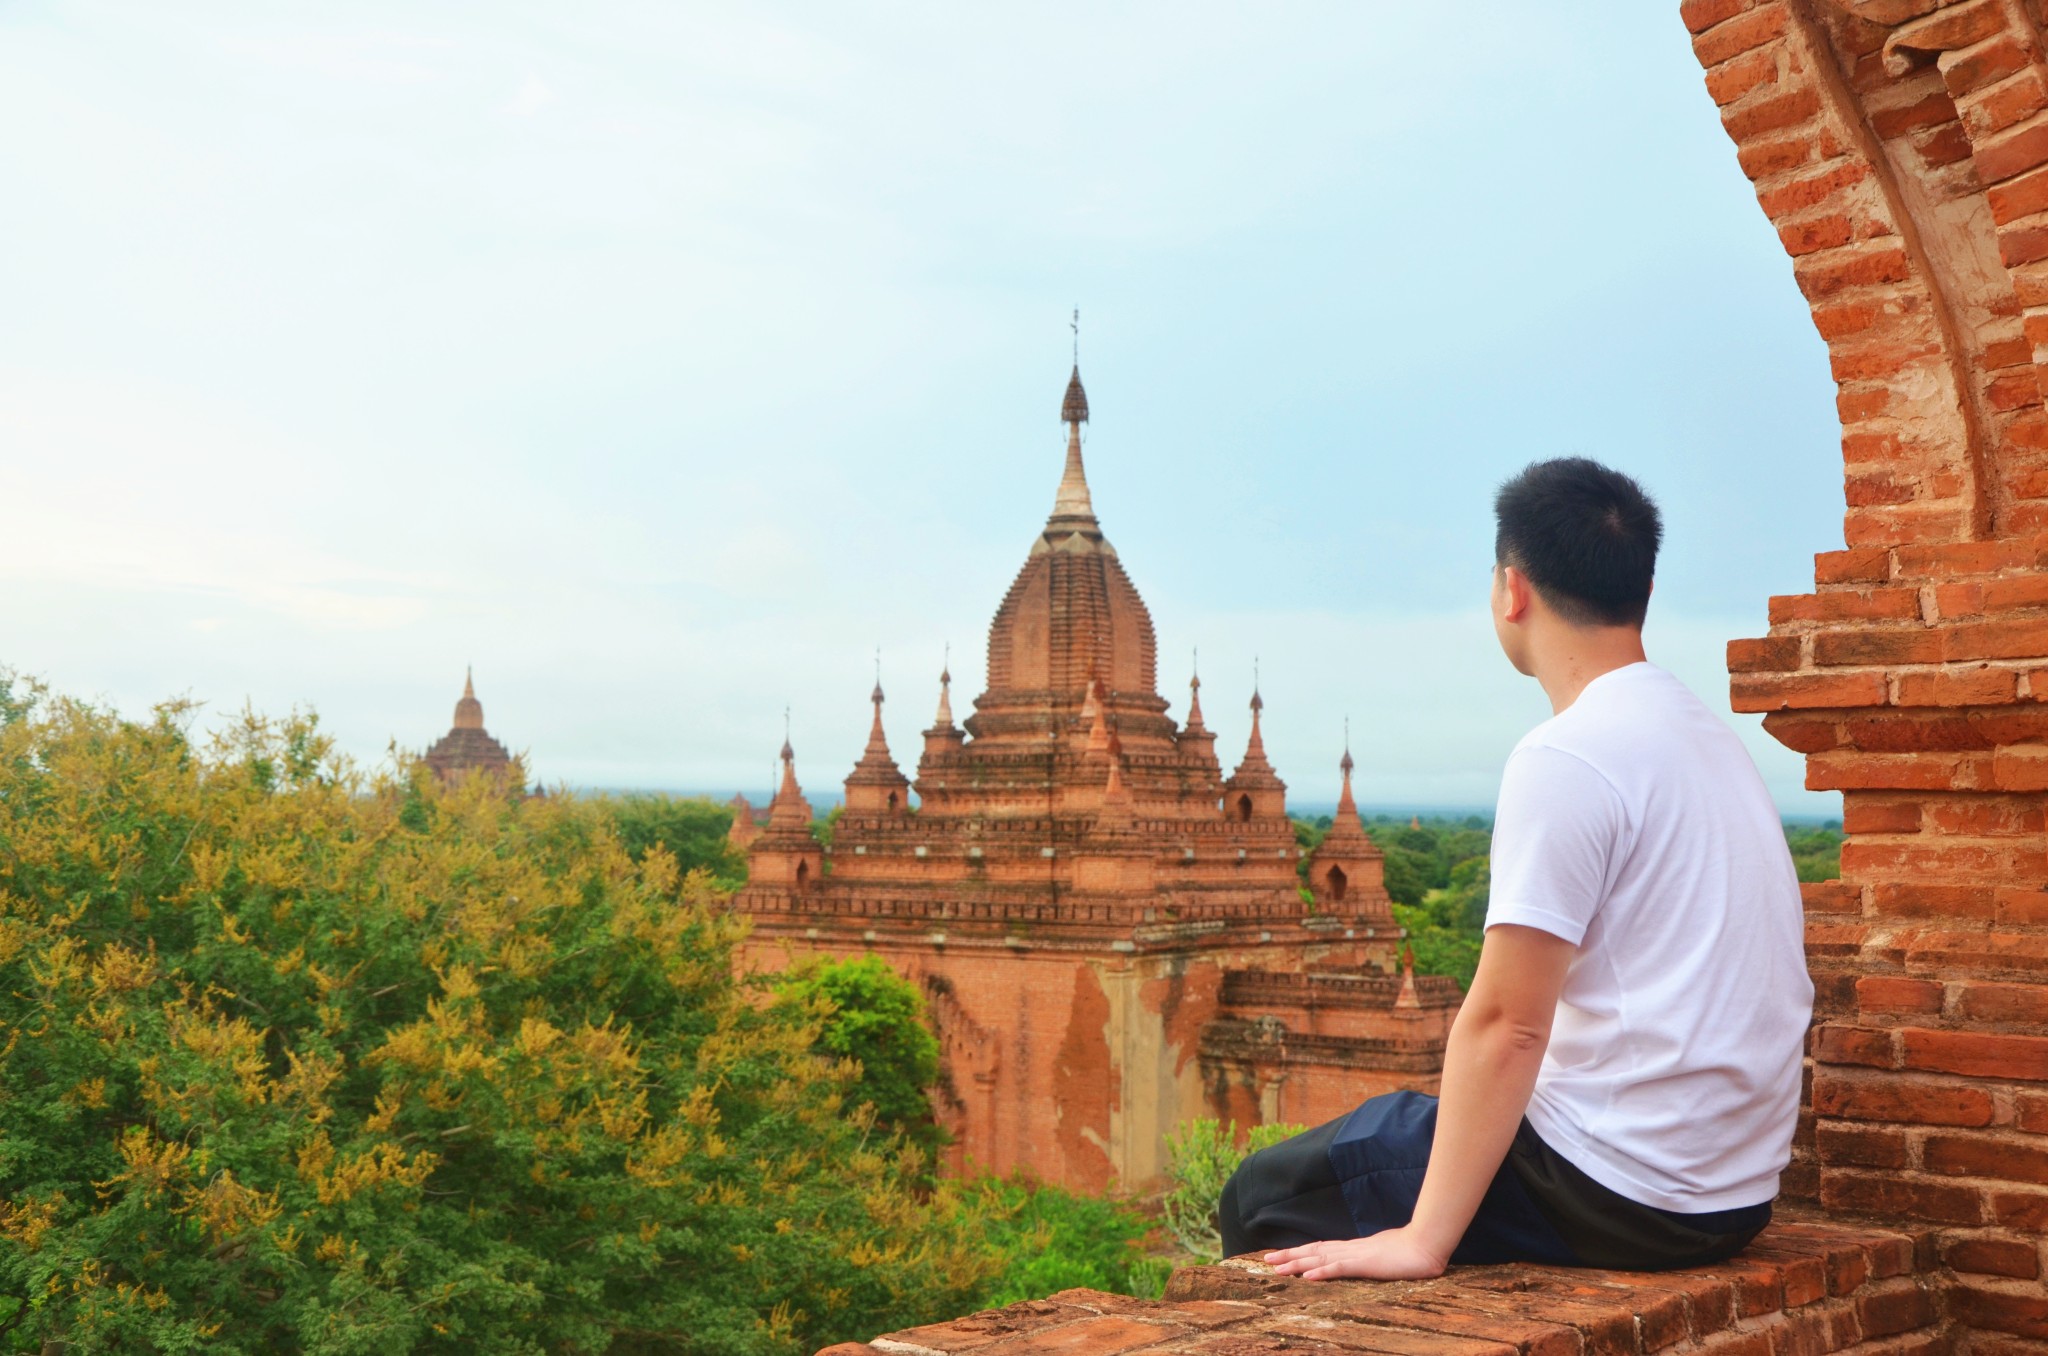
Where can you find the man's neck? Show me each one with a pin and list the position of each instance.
(1570, 657)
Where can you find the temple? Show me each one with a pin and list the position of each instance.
(468, 747)
(1113, 936)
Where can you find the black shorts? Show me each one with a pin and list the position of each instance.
(1361, 1173)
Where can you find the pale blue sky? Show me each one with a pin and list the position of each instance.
(664, 359)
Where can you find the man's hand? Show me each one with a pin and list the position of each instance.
(1391, 1255)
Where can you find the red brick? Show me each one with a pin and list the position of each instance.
(1771, 654)
(1526, 1335)
(1947, 560)
(1987, 63)
(2002, 105)
(1845, 567)
(2020, 245)
(2030, 1114)
(1760, 159)
(979, 1329)
(1868, 1097)
(1877, 647)
(1931, 110)
(1860, 1146)
(1948, 145)
(1894, 1306)
(1759, 692)
(2014, 153)
(2020, 770)
(1729, 82)
(1979, 1054)
(1975, 1156)
(1865, 814)
(1978, 686)
(1823, 275)
(1825, 233)
(1103, 1335)
(1739, 34)
(2025, 1210)
(1867, 402)
(1984, 816)
(1303, 1332)
(1872, 1193)
(2025, 1315)
(2013, 591)
(1886, 993)
(1886, 604)
(1830, 896)
(1854, 1045)
(1910, 899)
(1755, 117)
(1800, 192)
(1700, 15)
(1990, 1002)
(1848, 771)
(1993, 1256)
(2015, 639)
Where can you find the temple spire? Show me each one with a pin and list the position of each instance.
(789, 808)
(1072, 501)
(877, 741)
(944, 720)
(1346, 805)
(469, 712)
(1194, 722)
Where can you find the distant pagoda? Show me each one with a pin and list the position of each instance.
(468, 747)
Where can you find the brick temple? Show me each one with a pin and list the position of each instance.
(1112, 935)
(1899, 151)
(468, 747)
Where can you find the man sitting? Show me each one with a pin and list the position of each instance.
(1620, 1086)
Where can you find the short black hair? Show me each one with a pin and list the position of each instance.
(1586, 536)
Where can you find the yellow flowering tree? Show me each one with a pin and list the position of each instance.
(298, 1059)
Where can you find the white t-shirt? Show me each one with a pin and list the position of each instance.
(1634, 825)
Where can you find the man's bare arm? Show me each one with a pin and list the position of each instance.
(1490, 1062)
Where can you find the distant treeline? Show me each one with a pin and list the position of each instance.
(1437, 875)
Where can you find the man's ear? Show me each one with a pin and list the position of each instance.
(1516, 594)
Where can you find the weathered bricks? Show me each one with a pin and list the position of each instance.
(1805, 1286)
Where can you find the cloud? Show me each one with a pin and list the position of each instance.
(534, 95)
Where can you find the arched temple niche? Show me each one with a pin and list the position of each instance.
(1900, 149)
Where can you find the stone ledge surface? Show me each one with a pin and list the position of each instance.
(1804, 1288)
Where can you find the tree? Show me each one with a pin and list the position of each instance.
(302, 1060)
(868, 1013)
(692, 829)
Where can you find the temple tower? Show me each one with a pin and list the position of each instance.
(1075, 882)
(467, 747)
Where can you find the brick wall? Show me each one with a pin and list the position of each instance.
(1900, 149)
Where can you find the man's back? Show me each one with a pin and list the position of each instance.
(1634, 825)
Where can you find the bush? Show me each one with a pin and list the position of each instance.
(1055, 1240)
(300, 1060)
(868, 1013)
(693, 829)
(1201, 1155)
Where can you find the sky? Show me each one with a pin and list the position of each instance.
(665, 360)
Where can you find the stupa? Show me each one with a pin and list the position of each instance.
(1096, 913)
(467, 747)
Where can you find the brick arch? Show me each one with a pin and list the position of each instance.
(1900, 150)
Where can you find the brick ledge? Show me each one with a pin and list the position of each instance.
(1804, 1288)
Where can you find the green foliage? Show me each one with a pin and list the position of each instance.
(1054, 1240)
(867, 1012)
(692, 828)
(822, 829)
(1201, 1155)
(300, 1060)
(1816, 852)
